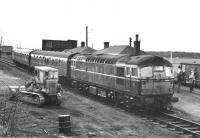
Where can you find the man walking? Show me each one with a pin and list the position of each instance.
(179, 78)
(192, 79)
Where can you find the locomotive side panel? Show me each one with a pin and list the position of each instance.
(83, 71)
(90, 70)
(109, 78)
(120, 78)
(100, 74)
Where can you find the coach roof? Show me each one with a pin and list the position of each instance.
(52, 53)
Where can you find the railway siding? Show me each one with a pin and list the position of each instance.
(114, 122)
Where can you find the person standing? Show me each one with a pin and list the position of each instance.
(192, 79)
(179, 78)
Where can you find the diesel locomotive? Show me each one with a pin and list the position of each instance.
(123, 75)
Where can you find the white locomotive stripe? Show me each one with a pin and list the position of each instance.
(106, 75)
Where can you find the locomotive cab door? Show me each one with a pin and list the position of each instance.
(131, 76)
(128, 78)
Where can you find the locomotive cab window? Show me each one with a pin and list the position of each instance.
(146, 71)
(168, 71)
(158, 68)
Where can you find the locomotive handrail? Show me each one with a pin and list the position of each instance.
(155, 79)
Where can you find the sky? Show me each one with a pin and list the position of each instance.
(162, 25)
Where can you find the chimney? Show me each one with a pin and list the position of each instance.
(137, 45)
(106, 45)
(82, 44)
(130, 41)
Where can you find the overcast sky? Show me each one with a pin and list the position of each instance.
(162, 25)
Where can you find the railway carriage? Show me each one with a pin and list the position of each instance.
(50, 58)
(21, 56)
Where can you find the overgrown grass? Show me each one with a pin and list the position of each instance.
(10, 114)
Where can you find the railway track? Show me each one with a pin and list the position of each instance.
(180, 125)
(174, 123)
(10, 63)
(168, 120)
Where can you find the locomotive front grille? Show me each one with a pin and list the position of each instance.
(156, 87)
(51, 86)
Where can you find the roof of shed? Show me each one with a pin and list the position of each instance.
(119, 49)
(83, 50)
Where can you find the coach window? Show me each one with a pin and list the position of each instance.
(59, 62)
(52, 61)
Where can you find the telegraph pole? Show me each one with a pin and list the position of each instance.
(130, 41)
(86, 36)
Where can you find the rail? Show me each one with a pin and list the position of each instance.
(11, 63)
(175, 123)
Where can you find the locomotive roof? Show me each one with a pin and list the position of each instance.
(104, 58)
(83, 50)
(118, 49)
(52, 53)
(143, 60)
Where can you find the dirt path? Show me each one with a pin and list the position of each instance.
(189, 104)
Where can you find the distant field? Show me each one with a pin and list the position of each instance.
(185, 60)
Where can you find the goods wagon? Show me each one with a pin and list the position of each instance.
(58, 45)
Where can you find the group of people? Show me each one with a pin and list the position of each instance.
(181, 78)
